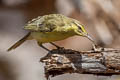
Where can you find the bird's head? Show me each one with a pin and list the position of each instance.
(82, 32)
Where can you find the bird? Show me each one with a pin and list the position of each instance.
(50, 28)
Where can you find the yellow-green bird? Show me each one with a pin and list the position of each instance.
(50, 28)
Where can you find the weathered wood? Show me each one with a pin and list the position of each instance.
(101, 62)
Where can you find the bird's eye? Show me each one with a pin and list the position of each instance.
(80, 27)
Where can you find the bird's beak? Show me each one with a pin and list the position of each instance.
(90, 38)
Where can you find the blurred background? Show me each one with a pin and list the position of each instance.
(100, 18)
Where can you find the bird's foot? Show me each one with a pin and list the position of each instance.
(97, 48)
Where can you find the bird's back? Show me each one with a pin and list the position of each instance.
(47, 23)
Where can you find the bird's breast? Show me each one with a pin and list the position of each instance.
(45, 37)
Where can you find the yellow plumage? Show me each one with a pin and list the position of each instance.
(50, 28)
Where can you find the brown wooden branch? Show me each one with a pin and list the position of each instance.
(101, 62)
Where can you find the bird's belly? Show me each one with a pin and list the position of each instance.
(50, 36)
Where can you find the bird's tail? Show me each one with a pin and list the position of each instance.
(18, 43)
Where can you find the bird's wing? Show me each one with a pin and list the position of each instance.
(48, 23)
(51, 23)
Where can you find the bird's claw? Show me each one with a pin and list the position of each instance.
(97, 48)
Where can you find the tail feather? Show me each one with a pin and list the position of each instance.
(18, 43)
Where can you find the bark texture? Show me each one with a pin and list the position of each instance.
(102, 61)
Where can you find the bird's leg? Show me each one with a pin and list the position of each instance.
(42, 46)
(55, 45)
